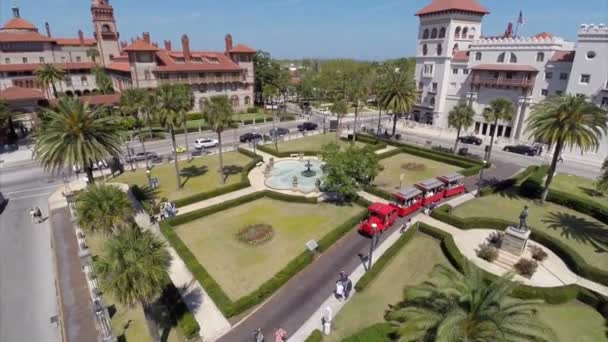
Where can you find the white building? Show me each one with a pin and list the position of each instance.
(455, 63)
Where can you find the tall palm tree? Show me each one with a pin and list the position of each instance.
(398, 94)
(499, 109)
(185, 105)
(103, 81)
(103, 208)
(270, 92)
(93, 53)
(602, 180)
(460, 117)
(566, 121)
(76, 135)
(168, 110)
(49, 75)
(133, 269)
(132, 102)
(7, 128)
(219, 116)
(340, 108)
(453, 306)
(358, 88)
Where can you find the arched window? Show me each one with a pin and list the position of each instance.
(202, 88)
(439, 49)
(501, 58)
(457, 33)
(540, 57)
(442, 32)
(425, 35)
(105, 28)
(513, 58)
(472, 32)
(247, 100)
(425, 50)
(434, 33)
(86, 92)
(219, 87)
(432, 102)
(235, 101)
(78, 93)
(477, 56)
(454, 49)
(465, 31)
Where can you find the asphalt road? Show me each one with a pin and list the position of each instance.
(27, 283)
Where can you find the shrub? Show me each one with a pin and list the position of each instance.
(495, 238)
(487, 252)
(526, 267)
(196, 116)
(315, 336)
(252, 110)
(538, 253)
(255, 234)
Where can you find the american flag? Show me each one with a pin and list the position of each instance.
(520, 19)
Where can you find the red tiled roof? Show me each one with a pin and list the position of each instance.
(19, 24)
(452, 5)
(562, 56)
(95, 100)
(461, 56)
(167, 58)
(543, 35)
(18, 93)
(75, 41)
(29, 36)
(240, 48)
(119, 66)
(504, 67)
(34, 66)
(140, 45)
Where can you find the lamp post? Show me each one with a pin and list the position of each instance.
(485, 162)
(148, 176)
(371, 247)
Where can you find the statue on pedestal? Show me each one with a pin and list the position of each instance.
(523, 217)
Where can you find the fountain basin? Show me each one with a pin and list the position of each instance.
(282, 174)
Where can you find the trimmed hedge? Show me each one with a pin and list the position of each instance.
(270, 150)
(383, 261)
(570, 256)
(551, 295)
(315, 336)
(231, 308)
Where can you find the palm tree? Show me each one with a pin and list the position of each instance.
(566, 121)
(76, 135)
(133, 269)
(219, 116)
(103, 208)
(270, 92)
(185, 105)
(340, 108)
(103, 81)
(358, 88)
(398, 94)
(48, 75)
(602, 180)
(7, 129)
(92, 53)
(453, 306)
(132, 102)
(168, 111)
(499, 109)
(460, 117)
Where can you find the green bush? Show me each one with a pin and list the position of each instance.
(487, 252)
(248, 122)
(380, 332)
(595, 300)
(526, 267)
(252, 110)
(270, 150)
(315, 336)
(384, 260)
(195, 116)
(287, 118)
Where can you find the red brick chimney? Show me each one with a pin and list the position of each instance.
(186, 47)
(123, 45)
(168, 45)
(81, 37)
(48, 29)
(228, 41)
(146, 37)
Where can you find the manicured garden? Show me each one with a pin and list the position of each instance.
(413, 168)
(578, 186)
(574, 321)
(198, 175)
(582, 233)
(310, 143)
(240, 268)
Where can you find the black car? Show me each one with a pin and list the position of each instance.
(521, 149)
(143, 156)
(470, 139)
(247, 137)
(307, 126)
(279, 131)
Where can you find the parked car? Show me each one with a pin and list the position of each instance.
(202, 143)
(520, 149)
(279, 131)
(247, 137)
(102, 164)
(307, 126)
(470, 139)
(143, 156)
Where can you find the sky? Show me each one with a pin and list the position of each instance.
(359, 29)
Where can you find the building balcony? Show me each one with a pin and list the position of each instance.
(502, 82)
(201, 80)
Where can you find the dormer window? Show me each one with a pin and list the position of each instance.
(180, 60)
(213, 60)
(197, 60)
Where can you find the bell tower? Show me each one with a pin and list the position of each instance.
(106, 32)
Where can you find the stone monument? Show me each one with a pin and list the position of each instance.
(516, 238)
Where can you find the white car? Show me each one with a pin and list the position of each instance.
(199, 144)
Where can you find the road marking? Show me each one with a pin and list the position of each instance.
(33, 189)
(24, 197)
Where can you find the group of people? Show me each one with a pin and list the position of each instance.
(428, 209)
(167, 210)
(343, 286)
(36, 215)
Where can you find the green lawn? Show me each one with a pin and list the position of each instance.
(126, 320)
(388, 179)
(311, 143)
(575, 322)
(198, 175)
(578, 186)
(410, 266)
(584, 234)
(239, 268)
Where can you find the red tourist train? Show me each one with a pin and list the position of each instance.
(407, 200)
(380, 217)
(453, 184)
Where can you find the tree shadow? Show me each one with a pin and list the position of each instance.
(192, 171)
(579, 229)
(171, 306)
(591, 192)
(510, 193)
(230, 170)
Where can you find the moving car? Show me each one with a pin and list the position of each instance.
(143, 156)
(180, 149)
(279, 131)
(247, 137)
(307, 126)
(520, 149)
(380, 217)
(202, 143)
(470, 139)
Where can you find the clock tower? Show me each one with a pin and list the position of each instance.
(106, 32)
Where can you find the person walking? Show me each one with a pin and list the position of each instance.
(348, 286)
(38, 215)
(406, 225)
(33, 215)
(339, 290)
(258, 335)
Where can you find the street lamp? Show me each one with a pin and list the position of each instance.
(371, 247)
(148, 175)
(485, 162)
